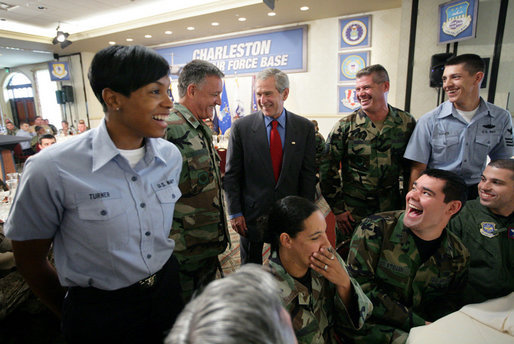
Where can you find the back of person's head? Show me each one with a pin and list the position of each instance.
(472, 63)
(287, 215)
(281, 78)
(45, 136)
(125, 69)
(505, 164)
(244, 307)
(454, 189)
(194, 73)
(377, 71)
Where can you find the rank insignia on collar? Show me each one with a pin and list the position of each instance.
(511, 232)
(488, 229)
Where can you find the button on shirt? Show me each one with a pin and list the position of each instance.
(85, 196)
(443, 139)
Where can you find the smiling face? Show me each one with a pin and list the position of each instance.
(311, 239)
(371, 95)
(142, 114)
(496, 190)
(204, 97)
(461, 87)
(426, 213)
(269, 99)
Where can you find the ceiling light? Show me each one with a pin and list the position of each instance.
(190, 28)
(304, 8)
(148, 36)
(62, 38)
(112, 42)
(215, 24)
(130, 39)
(168, 32)
(272, 14)
(241, 19)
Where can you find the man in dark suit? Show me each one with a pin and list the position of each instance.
(270, 156)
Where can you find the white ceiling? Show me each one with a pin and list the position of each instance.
(29, 26)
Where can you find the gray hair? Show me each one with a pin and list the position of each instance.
(281, 78)
(378, 72)
(244, 307)
(194, 73)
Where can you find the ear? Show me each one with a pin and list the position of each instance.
(479, 76)
(454, 207)
(111, 98)
(191, 90)
(386, 86)
(285, 94)
(285, 240)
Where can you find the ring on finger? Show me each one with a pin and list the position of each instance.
(325, 267)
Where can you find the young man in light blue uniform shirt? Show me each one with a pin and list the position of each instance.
(105, 199)
(460, 133)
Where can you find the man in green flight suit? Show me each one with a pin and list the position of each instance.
(407, 262)
(486, 227)
(199, 224)
(367, 148)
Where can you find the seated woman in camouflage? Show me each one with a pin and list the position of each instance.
(316, 289)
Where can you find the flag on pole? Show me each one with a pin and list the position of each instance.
(254, 100)
(216, 123)
(170, 93)
(224, 120)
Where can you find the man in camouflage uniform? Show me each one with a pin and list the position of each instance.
(407, 262)
(360, 174)
(320, 144)
(199, 223)
(317, 312)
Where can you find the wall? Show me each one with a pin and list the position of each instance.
(313, 94)
(423, 97)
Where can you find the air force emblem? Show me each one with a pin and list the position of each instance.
(350, 99)
(457, 19)
(351, 65)
(488, 229)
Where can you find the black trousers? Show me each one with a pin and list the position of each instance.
(250, 251)
(135, 314)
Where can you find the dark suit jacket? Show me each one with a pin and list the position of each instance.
(249, 182)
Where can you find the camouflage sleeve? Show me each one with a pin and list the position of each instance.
(363, 259)
(330, 179)
(353, 318)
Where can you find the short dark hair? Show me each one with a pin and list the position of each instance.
(45, 136)
(125, 69)
(64, 121)
(37, 128)
(287, 216)
(506, 164)
(454, 189)
(378, 72)
(194, 73)
(472, 63)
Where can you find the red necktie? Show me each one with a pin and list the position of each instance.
(275, 149)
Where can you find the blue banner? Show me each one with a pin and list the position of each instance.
(59, 71)
(285, 49)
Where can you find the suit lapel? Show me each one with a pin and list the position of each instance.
(261, 145)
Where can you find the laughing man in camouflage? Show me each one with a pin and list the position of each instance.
(199, 224)
(407, 262)
(368, 145)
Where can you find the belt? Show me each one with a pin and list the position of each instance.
(142, 285)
